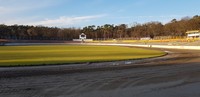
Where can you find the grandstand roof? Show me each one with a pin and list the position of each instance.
(193, 31)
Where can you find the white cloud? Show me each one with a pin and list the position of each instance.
(6, 10)
(66, 21)
(161, 18)
(16, 6)
(62, 21)
(24, 12)
(17, 12)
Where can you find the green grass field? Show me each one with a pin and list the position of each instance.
(63, 54)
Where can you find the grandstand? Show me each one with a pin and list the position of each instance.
(193, 34)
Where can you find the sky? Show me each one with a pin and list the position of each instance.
(80, 13)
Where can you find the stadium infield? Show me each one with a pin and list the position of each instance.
(67, 54)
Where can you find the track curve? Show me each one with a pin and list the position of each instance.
(175, 75)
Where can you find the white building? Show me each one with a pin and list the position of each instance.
(193, 34)
(82, 38)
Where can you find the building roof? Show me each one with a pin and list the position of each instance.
(193, 31)
(82, 34)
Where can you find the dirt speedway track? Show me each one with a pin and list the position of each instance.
(175, 75)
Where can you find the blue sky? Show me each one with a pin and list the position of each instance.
(80, 13)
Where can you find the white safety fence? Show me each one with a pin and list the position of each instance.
(152, 46)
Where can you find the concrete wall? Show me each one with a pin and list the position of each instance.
(87, 40)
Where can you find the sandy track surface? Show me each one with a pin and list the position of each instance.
(175, 75)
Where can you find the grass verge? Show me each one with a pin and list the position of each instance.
(64, 54)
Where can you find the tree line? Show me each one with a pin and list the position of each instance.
(107, 31)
